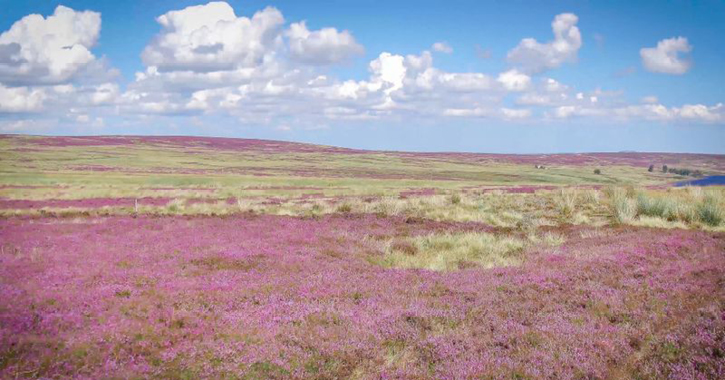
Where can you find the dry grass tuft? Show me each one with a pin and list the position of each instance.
(451, 251)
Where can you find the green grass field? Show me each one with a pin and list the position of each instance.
(138, 167)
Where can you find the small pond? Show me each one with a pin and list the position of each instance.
(705, 181)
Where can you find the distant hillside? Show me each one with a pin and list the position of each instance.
(708, 162)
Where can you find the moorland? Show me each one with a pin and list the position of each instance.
(190, 257)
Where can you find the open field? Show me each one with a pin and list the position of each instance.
(187, 258)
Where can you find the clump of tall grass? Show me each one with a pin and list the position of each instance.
(452, 251)
(344, 208)
(659, 207)
(671, 208)
(709, 211)
(592, 197)
(388, 206)
(686, 207)
(566, 202)
(175, 206)
(624, 208)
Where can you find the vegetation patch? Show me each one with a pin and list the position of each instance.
(451, 251)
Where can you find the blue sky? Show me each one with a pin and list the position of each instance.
(619, 75)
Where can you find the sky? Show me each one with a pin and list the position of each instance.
(477, 76)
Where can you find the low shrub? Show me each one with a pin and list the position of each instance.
(344, 208)
(709, 211)
(658, 207)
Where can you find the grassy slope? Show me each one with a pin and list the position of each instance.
(71, 168)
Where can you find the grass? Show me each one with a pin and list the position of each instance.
(710, 211)
(675, 207)
(67, 172)
(667, 209)
(201, 180)
(566, 202)
(453, 251)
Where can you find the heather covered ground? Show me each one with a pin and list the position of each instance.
(186, 258)
(280, 297)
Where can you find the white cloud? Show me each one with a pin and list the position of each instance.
(510, 113)
(38, 50)
(513, 80)
(564, 111)
(322, 47)
(533, 56)
(481, 112)
(389, 69)
(21, 99)
(208, 62)
(291, 83)
(689, 113)
(211, 37)
(468, 112)
(104, 94)
(546, 92)
(665, 57)
(466, 82)
(442, 47)
(702, 112)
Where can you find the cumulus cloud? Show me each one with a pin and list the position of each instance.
(510, 113)
(21, 99)
(48, 71)
(666, 57)
(389, 69)
(442, 47)
(37, 50)
(702, 112)
(211, 37)
(322, 47)
(533, 56)
(207, 61)
(513, 80)
(547, 92)
(688, 113)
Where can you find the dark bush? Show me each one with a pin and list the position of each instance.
(685, 172)
(597, 171)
